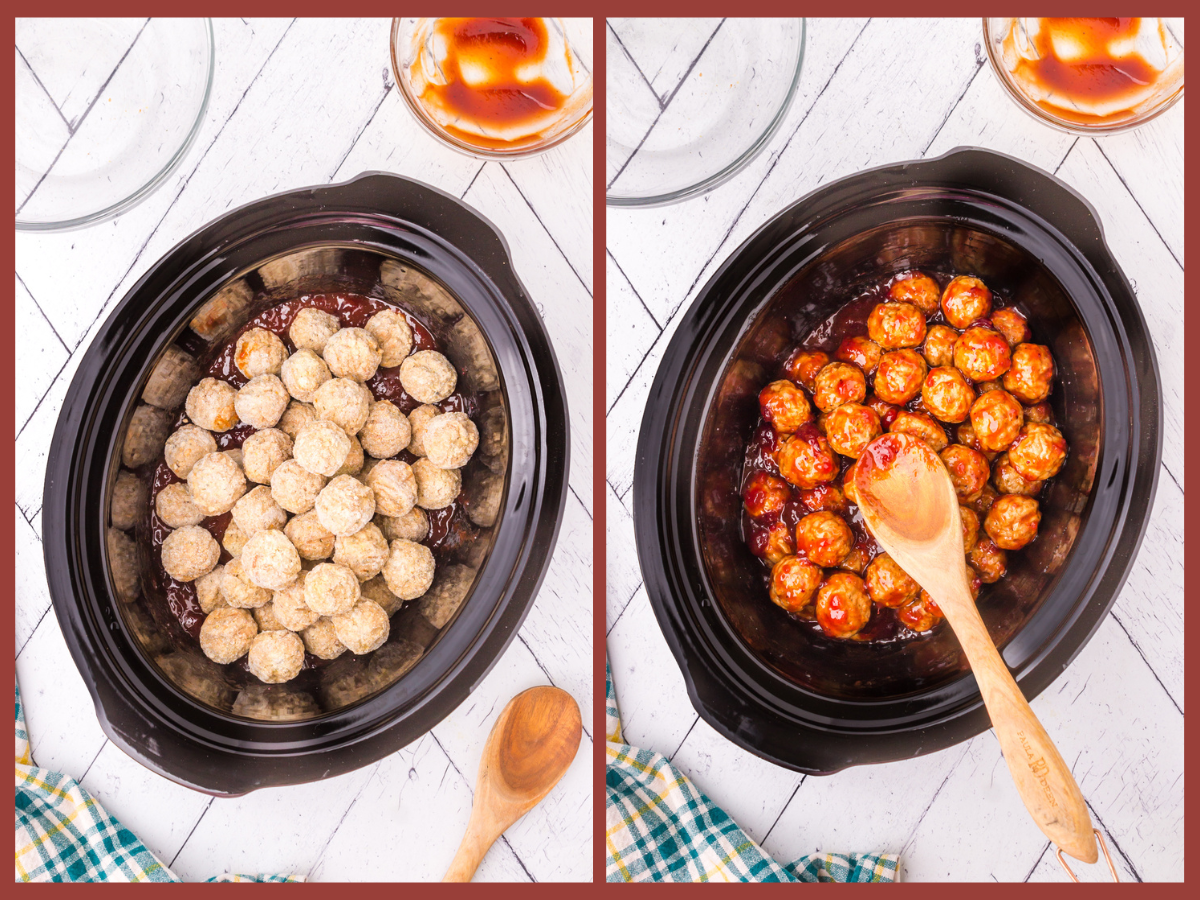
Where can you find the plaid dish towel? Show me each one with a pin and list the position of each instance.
(63, 834)
(660, 828)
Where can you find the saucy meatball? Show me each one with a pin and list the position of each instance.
(843, 606)
(450, 440)
(1030, 376)
(861, 351)
(259, 352)
(848, 489)
(856, 560)
(825, 496)
(395, 337)
(263, 452)
(965, 300)
(982, 354)
(294, 487)
(1009, 481)
(345, 505)
(302, 373)
(921, 425)
(970, 525)
(311, 539)
(946, 394)
(839, 383)
(226, 635)
(1012, 522)
(216, 483)
(189, 552)
(1039, 451)
(985, 500)
(794, 582)
(784, 406)
(824, 538)
(344, 402)
(996, 418)
(175, 507)
(807, 460)
(851, 427)
(210, 404)
(918, 289)
(803, 365)
(275, 656)
(939, 345)
(968, 470)
(428, 376)
(899, 376)
(888, 584)
(778, 542)
(887, 412)
(765, 495)
(1040, 412)
(185, 446)
(896, 325)
(261, 401)
(352, 353)
(988, 560)
(1012, 325)
(921, 613)
(312, 328)
(321, 447)
(387, 431)
(965, 435)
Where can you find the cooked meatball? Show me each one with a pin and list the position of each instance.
(1012, 522)
(257, 511)
(387, 431)
(806, 459)
(1009, 481)
(888, 584)
(210, 404)
(860, 351)
(417, 420)
(234, 539)
(988, 560)
(428, 377)
(363, 552)
(185, 446)
(946, 395)
(312, 328)
(778, 542)
(824, 538)
(849, 491)
(887, 412)
(825, 496)
(302, 373)
(851, 427)
(450, 439)
(345, 505)
(320, 639)
(965, 300)
(1040, 412)
(856, 560)
(839, 383)
(290, 609)
(1012, 325)
(896, 325)
(919, 290)
(409, 569)
(377, 590)
(965, 435)
(175, 507)
(275, 656)
(1032, 372)
(265, 618)
(226, 635)
(939, 345)
(311, 539)
(189, 552)
(996, 417)
(970, 525)
(364, 628)
(294, 487)
(843, 606)
(216, 483)
(764, 495)
(899, 376)
(270, 561)
(803, 365)
(355, 460)
(968, 470)
(331, 589)
(321, 447)
(263, 452)
(984, 386)
(345, 403)
(1039, 451)
(921, 613)
(237, 589)
(920, 425)
(412, 526)
(259, 352)
(986, 498)
(295, 417)
(436, 487)
(395, 337)
(982, 354)
(784, 406)
(208, 590)
(353, 353)
(794, 583)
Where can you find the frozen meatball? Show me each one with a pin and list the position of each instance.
(295, 417)
(803, 365)
(918, 289)
(982, 354)
(1012, 522)
(824, 538)
(900, 376)
(175, 507)
(210, 404)
(428, 377)
(265, 617)
(436, 487)
(364, 628)
(888, 584)
(235, 454)
(417, 420)
(447, 594)
(261, 401)
(450, 439)
(794, 582)
(189, 552)
(921, 425)
(839, 383)
(320, 639)
(257, 511)
(259, 352)
(226, 635)
(805, 459)
(1039, 451)
(988, 560)
(353, 353)
(331, 589)
(968, 470)
(939, 345)
(275, 656)
(302, 373)
(409, 569)
(778, 542)
(965, 300)
(185, 446)
(234, 539)
(291, 611)
(355, 459)
(345, 505)
(412, 526)
(783, 405)
(765, 495)
(896, 325)
(377, 590)
(395, 337)
(123, 560)
(970, 527)
(269, 705)
(363, 552)
(843, 605)
(851, 427)
(270, 561)
(1031, 374)
(946, 395)
(311, 539)
(345, 403)
(386, 431)
(208, 590)
(997, 418)
(294, 487)
(860, 351)
(1012, 325)
(1009, 481)
(262, 453)
(312, 328)
(216, 483)
(321, 447)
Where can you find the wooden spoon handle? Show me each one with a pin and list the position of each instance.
(475, 844)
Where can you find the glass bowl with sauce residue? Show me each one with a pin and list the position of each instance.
(496, 88)
(1088, 75)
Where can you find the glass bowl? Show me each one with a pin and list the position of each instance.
(105, 110)
(691, 101)
(416, 48)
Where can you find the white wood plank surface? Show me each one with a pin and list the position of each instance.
(873, 93)
(279, 120)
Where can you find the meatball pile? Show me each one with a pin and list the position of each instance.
(946, 365)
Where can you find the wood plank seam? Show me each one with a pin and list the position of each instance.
(1133, 196)
(57, 109)
(635, 291)
(42, 313)
(553, 240)
(638, 68)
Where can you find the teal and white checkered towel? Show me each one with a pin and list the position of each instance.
(659, 827)
(63, 834)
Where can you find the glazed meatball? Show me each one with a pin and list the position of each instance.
(794, 583)
(1012, 522)
(965, 300)
(321, 447)
(997, 418)
(364, 628)
(887, 412)
(988, 560)
(331, 589)
(1031, 373)
(839, 383)
(428, 377)
(311, 539)
(939, 345)
(210, 404)
(843, 606)
(765, 495)
(1040, 412)
(970, 525)
(345, 505)
(312, 328)
(1039, 451)
(982, 354)
(965, 435)
(395, 337)
(824, 538)
(353, 353)
(825, 496)
(259, 352)
(921, 613)
(409, 569)
(985, 500)
(851, 427)
(806, 459)
(239, 591)
(345, 403)
(208, 590)
(294, 487)
(777, 542)
(216, 483)
(899, 376)
(412, 526)
(984, 386)
(860, 351)
(320, 639)
(436, 487)
(275, 656)
(919, 290)
(1009, 481)
(387, 431)
(968, 470)
(363, 552)
(270, 561)
(257, 511)
(849, 491)
(395, 487)
(1012, 325)
(226, 635)
(946, 395)
(888, 584)
(784, 406)
(450, 439)
(175, 507)
(185, 446)
(856, 560)
(263, 452)
(234, 539)
(302, 373)
(290, 609)
(920, 425)
(295, 417)
(803, 365)
(417, 420)
(189, 552)
(896, 325)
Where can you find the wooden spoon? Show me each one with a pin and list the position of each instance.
(529, 750)
(909, 504)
